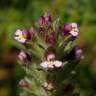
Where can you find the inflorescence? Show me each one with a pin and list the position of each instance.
(46, 45)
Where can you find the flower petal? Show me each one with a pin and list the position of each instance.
(73, 33)
(22, 40)
(44, 64)
(76, 30)
(16, 38)
(22, 55)
(57, 63)
(51, 66)
(74, 25)
(50, 56)
(18, 32)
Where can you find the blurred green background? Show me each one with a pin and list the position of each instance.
(22, 13)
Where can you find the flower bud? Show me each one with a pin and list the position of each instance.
(41, 30)
(50, 38)
(23, 83)
(67, 28)
(50, 56)
(76, 53)
(24, 56)
(48, 86)
(46, 18)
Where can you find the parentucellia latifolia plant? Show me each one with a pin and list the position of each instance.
(49, 57)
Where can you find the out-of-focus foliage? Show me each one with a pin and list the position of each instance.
(21, 14)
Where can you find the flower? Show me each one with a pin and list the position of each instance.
(23, 83)
(75, 53)
(49, 56)
(51, 64)
(46, 18)
(24, 56)
(41, 30)
(50, 38)
(71, 28)
(67, 28)
(48, 86)
(22, 36)
(78, 53)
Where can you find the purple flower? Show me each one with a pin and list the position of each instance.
(22, 36)
(23, 83)
(67, 28)
(71, 29)
(76, 53)
(46, 18)
(50, 38)
(41, 30)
